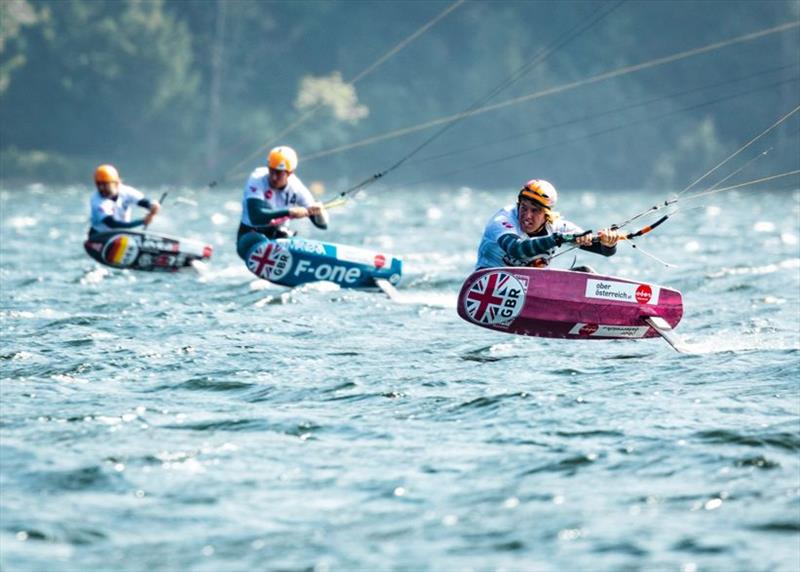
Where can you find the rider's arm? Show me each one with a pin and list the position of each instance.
(601, 249)
(523, 248)
(315, 210)
(262, 216)
(152, 206)
(110, 222)
(321, 220)
(596, 247)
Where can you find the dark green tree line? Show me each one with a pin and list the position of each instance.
(183, 91)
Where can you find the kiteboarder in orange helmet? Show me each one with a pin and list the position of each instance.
(273, 195)
(112, 204)
(529, 232)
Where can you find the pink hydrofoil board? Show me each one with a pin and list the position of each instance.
(566, 304)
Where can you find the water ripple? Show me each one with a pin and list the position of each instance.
(788, 441)
(217, 422)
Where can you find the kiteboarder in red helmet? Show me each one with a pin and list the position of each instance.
(529, 232)
(111, 205)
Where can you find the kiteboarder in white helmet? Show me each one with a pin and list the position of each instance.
(529, 232)
(272, 196)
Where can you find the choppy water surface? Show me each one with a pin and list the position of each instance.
(215, 422)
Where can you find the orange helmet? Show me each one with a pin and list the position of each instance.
(282, 159)
(540, 192)
(106, 174)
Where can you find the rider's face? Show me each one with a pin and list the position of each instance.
(107, 190)
(278, 179)
(531, 216)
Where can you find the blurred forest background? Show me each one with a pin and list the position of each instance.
(192, 91)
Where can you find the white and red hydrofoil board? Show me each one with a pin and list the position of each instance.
(567, 304)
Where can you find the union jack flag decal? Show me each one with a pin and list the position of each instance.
(495, 298)
(269, 260)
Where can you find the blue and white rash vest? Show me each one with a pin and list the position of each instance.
(119, 207)
(506, 222)
(295, 193)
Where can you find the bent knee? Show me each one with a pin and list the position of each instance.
(246, 242)
(585, 268)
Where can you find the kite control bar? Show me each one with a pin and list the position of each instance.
(570, 238)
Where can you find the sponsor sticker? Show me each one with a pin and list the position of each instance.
(155, 244)
(357, 255)
(309, 246)
(643, 294)
(269, 260)
(496, 298)
(338, 273)
(608, 331)
(165, 261)
(622, 291)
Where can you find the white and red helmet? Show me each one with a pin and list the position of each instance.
(282, 159)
